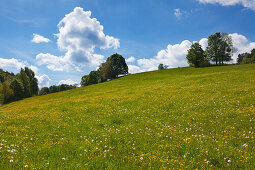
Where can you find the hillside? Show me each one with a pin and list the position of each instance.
(176, 118)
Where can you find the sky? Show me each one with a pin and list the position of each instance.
(62, 40)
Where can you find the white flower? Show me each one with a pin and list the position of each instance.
(26, 166)
(229, 161)
(141, 158)
(63, 158)
(11, 160)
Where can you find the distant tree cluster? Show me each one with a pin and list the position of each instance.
(219, 50)
(162, 67)
(114, 66)
(16, 87)
(246, 58)
(54, 88)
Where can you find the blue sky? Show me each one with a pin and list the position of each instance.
(145, 32)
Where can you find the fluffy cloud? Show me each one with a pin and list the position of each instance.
(43, 80)
(68, 81)
(78, 36)
(130, 59)
(242, 44)
(246, 3)
(134, 69)
(172, 56)
(178, 13)
(39, 39)
(14, 65)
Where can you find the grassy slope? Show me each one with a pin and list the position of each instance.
(185, 117)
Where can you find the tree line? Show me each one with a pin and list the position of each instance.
(114, 66)
(54, 88)
(16, 87)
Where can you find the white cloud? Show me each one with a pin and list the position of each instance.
(204, 43)
(68, 81)
(246, 3)
(172, 56)
(39, 39)
(178, 13)
(14, 65)
(242, 45)
(134, 69)
(78, 36)
(130, 59)
(43, 80)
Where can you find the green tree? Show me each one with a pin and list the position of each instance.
(1, 77)
(117, 66)
(33, 80)
(18, 89)
(44, 90)
(196, 55)
(7, 93)
(220, 48)
(240, 58)
(26, 83)
(92, 78)
(54, 89)
(162, 67)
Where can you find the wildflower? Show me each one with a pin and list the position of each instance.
(63, 158)
(26, 166)
(141, 158)
(11, 160)
(245, 145)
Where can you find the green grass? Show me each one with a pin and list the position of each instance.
(177, 118)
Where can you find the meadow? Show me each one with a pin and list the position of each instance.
(176, 118)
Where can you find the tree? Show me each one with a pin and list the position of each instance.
(196, 55)
(44, 90)
(162, 67)
(105, 71)
(18, 89)
(54, 89)
(33, 80)
(92, 78)
(220, 48)
(26, 83)
(240, 58)
(7, 93)
(1, 77)
(117, 66)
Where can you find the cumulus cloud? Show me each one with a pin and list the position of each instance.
(130, 59)
(39, 39)
(68, 81)
(43, 80)
(178, 13)
(78, 36)
(172, 56)
(14, 65)
(134, 69)
(241, 44)
(246, 3)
